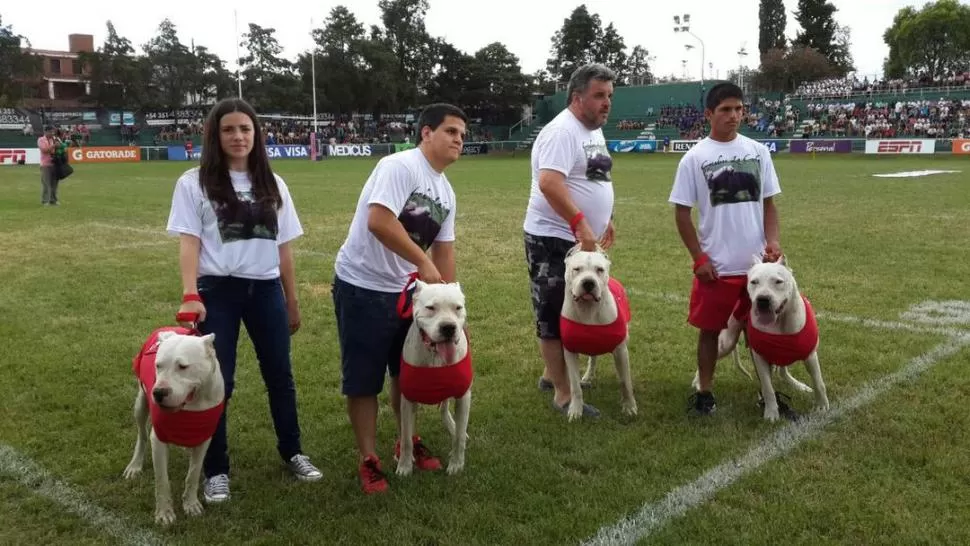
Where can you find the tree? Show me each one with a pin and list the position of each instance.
(575, 44)
(785, 70)
(501, 86)
(773, 20)
(16, 66)
(638, 67)
(167, 68)
(612, 53)
(841, 54)
(408, 39)
(268, 79)
(114, 74)
(821, 33)
(932, 42)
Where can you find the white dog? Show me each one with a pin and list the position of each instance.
(436, 368)
(183, 391)
(594, 321)
(781, 330)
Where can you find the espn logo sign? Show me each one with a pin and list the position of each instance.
(19, 156)
(10, 156)
(924, 146)
(900, 147)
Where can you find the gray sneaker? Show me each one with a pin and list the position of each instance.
(216, 489)
(303, 469)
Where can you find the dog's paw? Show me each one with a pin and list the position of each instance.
(771, 415)
(799, 386)
(629, 408)
(192, 507)
(822, 406)
(575, 411)
(132, 471)
(455, 464)
(404, 469)
(164, 515)
(586, 384)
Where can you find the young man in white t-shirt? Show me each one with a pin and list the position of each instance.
(571, 201)
(407, 207)
(732, 181)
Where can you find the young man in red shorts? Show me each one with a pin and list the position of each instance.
(732, 181)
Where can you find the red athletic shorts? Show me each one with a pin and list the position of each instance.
(713, 303)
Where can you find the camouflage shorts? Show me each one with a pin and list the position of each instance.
(546, 257)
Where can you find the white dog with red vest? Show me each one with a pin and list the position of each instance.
(436, 367)
(781, 329)
(180, 400)
(594, 321)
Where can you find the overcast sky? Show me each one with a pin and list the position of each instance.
(524, 26)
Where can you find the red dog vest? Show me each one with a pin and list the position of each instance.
(435, 385)
(183, 427)
(599, 339)
(786, 349)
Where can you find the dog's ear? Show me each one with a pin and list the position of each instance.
(756, 259)
(418, 287)
(573, 250)
(209, 342)
(782, 261)
(457, 285)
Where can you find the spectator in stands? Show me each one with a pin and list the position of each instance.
(732, 181)
(48, 179)
(571, 201)
(406, 208)
(235, 220)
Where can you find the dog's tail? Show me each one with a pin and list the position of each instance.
(447, 418)
(737, 362)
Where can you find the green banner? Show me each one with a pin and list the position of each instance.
(401, 146)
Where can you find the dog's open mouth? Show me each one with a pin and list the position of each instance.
(588, 296)
(445, 348)
(767, 317)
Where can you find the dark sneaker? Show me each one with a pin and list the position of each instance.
(701, 403)
(784, 409)
(216, 489)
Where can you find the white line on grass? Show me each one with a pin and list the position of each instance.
(653, 516)
(40, 481)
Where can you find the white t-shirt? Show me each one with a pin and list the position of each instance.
(567, 146)
(246, 246)
(728, 181)
(421, 198)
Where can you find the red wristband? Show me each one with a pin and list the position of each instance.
(575, 221)
(186, 317)
(191, 297)
(701, 260)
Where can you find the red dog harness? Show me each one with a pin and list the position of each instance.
(426, 385)
(786, 349)
(183, 427)
(595, 340)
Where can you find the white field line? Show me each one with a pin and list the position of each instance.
(41, 482)
(653, 516)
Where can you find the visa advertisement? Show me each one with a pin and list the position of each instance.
(288, 151)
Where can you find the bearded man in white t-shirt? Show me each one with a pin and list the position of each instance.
(571, 201)
(732, 181)
(406, 208)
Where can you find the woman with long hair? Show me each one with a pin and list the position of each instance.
(235, 220)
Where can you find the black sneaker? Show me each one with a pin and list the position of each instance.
(701, 403)
(784, 409)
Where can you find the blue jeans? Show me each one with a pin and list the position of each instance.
(259, 305)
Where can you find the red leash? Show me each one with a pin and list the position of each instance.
(405, 308)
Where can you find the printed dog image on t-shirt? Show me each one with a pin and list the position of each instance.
(733, 180)
(246, 219)
(422, 218)
(598, 163)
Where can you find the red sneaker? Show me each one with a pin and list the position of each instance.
(372, 479)
(423, 459)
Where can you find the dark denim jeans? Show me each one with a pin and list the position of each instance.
(259, 305)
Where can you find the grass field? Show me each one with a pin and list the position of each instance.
(85, 282)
